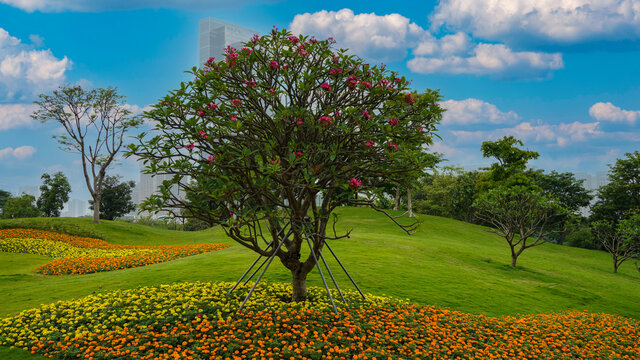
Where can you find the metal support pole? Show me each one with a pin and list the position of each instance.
(332, 278)
(322, 276)
(345, 270)
(260, 277)
(254, 263)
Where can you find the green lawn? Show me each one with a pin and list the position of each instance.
(447, 263)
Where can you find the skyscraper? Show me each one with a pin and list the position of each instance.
(215, 35)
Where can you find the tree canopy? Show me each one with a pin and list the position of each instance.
(116, 199)
(280, 133)
(622, 193)
(54, 193)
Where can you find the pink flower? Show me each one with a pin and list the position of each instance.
(336, 59)
(273, 65)
(365, 84)
(298, 154)
(233, 118)
(236, 102)
(353, 81)
(272, 91)
(355, 183)
(393, 122)
(190, 147)
(326, 86)
(231, 58)
(398, 80)
(248, 50)
(392, 145)
(366, 114)
(300, 122)
(331, 40)
(409, 98)
(370, 143)
(300, 50)
(285, 66)
(384, 82)
(210, 61)
(255, 38)
(212, 106)
(275, 161)
(231, 214)
(293, 39)
(313, 40)
(335, 71)
(325, 120)
(250, 83)
(421, 129)
(211, 158)
(337, 113)
(203, 135)
(201, 113)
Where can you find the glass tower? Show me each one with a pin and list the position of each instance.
(215, 35)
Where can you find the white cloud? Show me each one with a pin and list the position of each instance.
(609, 112)
(378, 37)
(561, 134)
(561, 21)
(474, 111)
(15, 115)
(25, 72)
(36, 40)
(106, 5)
(19, 153)
(491, 59)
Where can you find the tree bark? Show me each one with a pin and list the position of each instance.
(299, 282)
(96, 208)
(514, 259)
(397, 201)
(409, 202)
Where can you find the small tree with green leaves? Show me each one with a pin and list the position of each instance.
(54, 193)
(4, 196)
(116, 199)
(522, 215)
(511, 165)
(20, 207)
(622, 241)
(95, 122)
(280, 133)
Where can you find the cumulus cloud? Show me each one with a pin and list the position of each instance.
(609, 112)
(378, 37)
(474, 111)
(15, 115)
(19, 153)
(106, 5)
(556, 21)
(25, 71)
(561, 134)
(491, 59)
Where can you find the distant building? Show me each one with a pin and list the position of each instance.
(215, 35)
(150, 184)
(76, 208)
(31, 190)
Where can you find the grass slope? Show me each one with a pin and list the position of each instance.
(446, 263)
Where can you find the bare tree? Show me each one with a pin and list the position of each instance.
(622, 241)
(95, 122)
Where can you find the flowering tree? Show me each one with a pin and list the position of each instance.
(277, 135)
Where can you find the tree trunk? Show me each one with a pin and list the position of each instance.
(397, 201)
(409, 202)
(96, 208)
(514, 258)
(615, 266)
(299, 282)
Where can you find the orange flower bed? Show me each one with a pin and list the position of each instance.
(84, 265)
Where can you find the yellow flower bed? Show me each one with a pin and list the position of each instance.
(61, 250)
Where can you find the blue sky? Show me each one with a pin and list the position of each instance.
(561, 75)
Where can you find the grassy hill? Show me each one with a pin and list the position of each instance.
(447, 263)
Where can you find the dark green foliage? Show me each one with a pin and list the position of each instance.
(20, 207)
(621, 240)
(116, 198)
(54, 193)
(581, 237)
(568, 190)
(448, 193)
(622, 193)
(4, 196)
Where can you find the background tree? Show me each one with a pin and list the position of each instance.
(54, 193)
(622, 193)
(511, 165)
(95, 122)
(273, 125)
(522, 215)
(449, 192)
(4, 196)
(621, 240)
(20, 207)
(116, 199)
